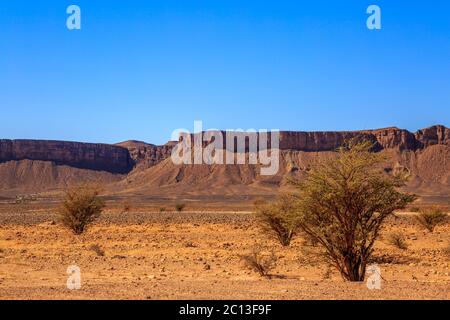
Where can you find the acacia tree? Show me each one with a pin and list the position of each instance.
(343, 203)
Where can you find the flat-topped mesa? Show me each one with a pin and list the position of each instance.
(318, 141)
(102, 157)
(388, 138)
(123, 157)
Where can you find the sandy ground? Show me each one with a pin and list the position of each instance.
(196, 255)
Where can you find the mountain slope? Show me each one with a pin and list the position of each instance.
(141, 169)
(29, 176)
(429, 171)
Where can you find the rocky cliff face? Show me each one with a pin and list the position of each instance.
(389, 138)
(318, 141)
(101, 157)
(433, 135)
(146, 154)
(123, 157)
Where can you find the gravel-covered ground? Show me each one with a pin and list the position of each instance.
(196, 255)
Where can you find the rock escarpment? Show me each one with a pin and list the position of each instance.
(389, 138)
(433, 136)
(146, 154)
(125, 156)
(100, 157)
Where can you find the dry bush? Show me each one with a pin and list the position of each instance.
(190, 244)
(447, 251)
(260, 261)
(430, 217)
(81, 206)
(343, 203)
(398, 240)
(276, 218)
(126, 206)
(97, 249)
(180, 207)
(327, 273)
(162, 209)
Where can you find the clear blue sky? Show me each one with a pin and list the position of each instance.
(140, 69)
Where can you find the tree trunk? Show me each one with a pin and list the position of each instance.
(354, 269)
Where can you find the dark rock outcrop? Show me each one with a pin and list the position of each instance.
(101, 157)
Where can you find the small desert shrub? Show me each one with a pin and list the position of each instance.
(126, 207)
(162, 209)
(429, 218)
(180, 207)
(97, 249)
(190, 244)
(277, 220)
(81, 206)
(260, 262)
(446, 251)
(327, 274)
(398, 240)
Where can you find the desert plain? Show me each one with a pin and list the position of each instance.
(147, 253)
(142, 248)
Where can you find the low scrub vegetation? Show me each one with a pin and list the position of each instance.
(447, 251)
(180, 207)
(260, 261)
(81, 206)
(277, 219)
(398, 240)
(431, 217)
(126, 206)
(97, 249)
